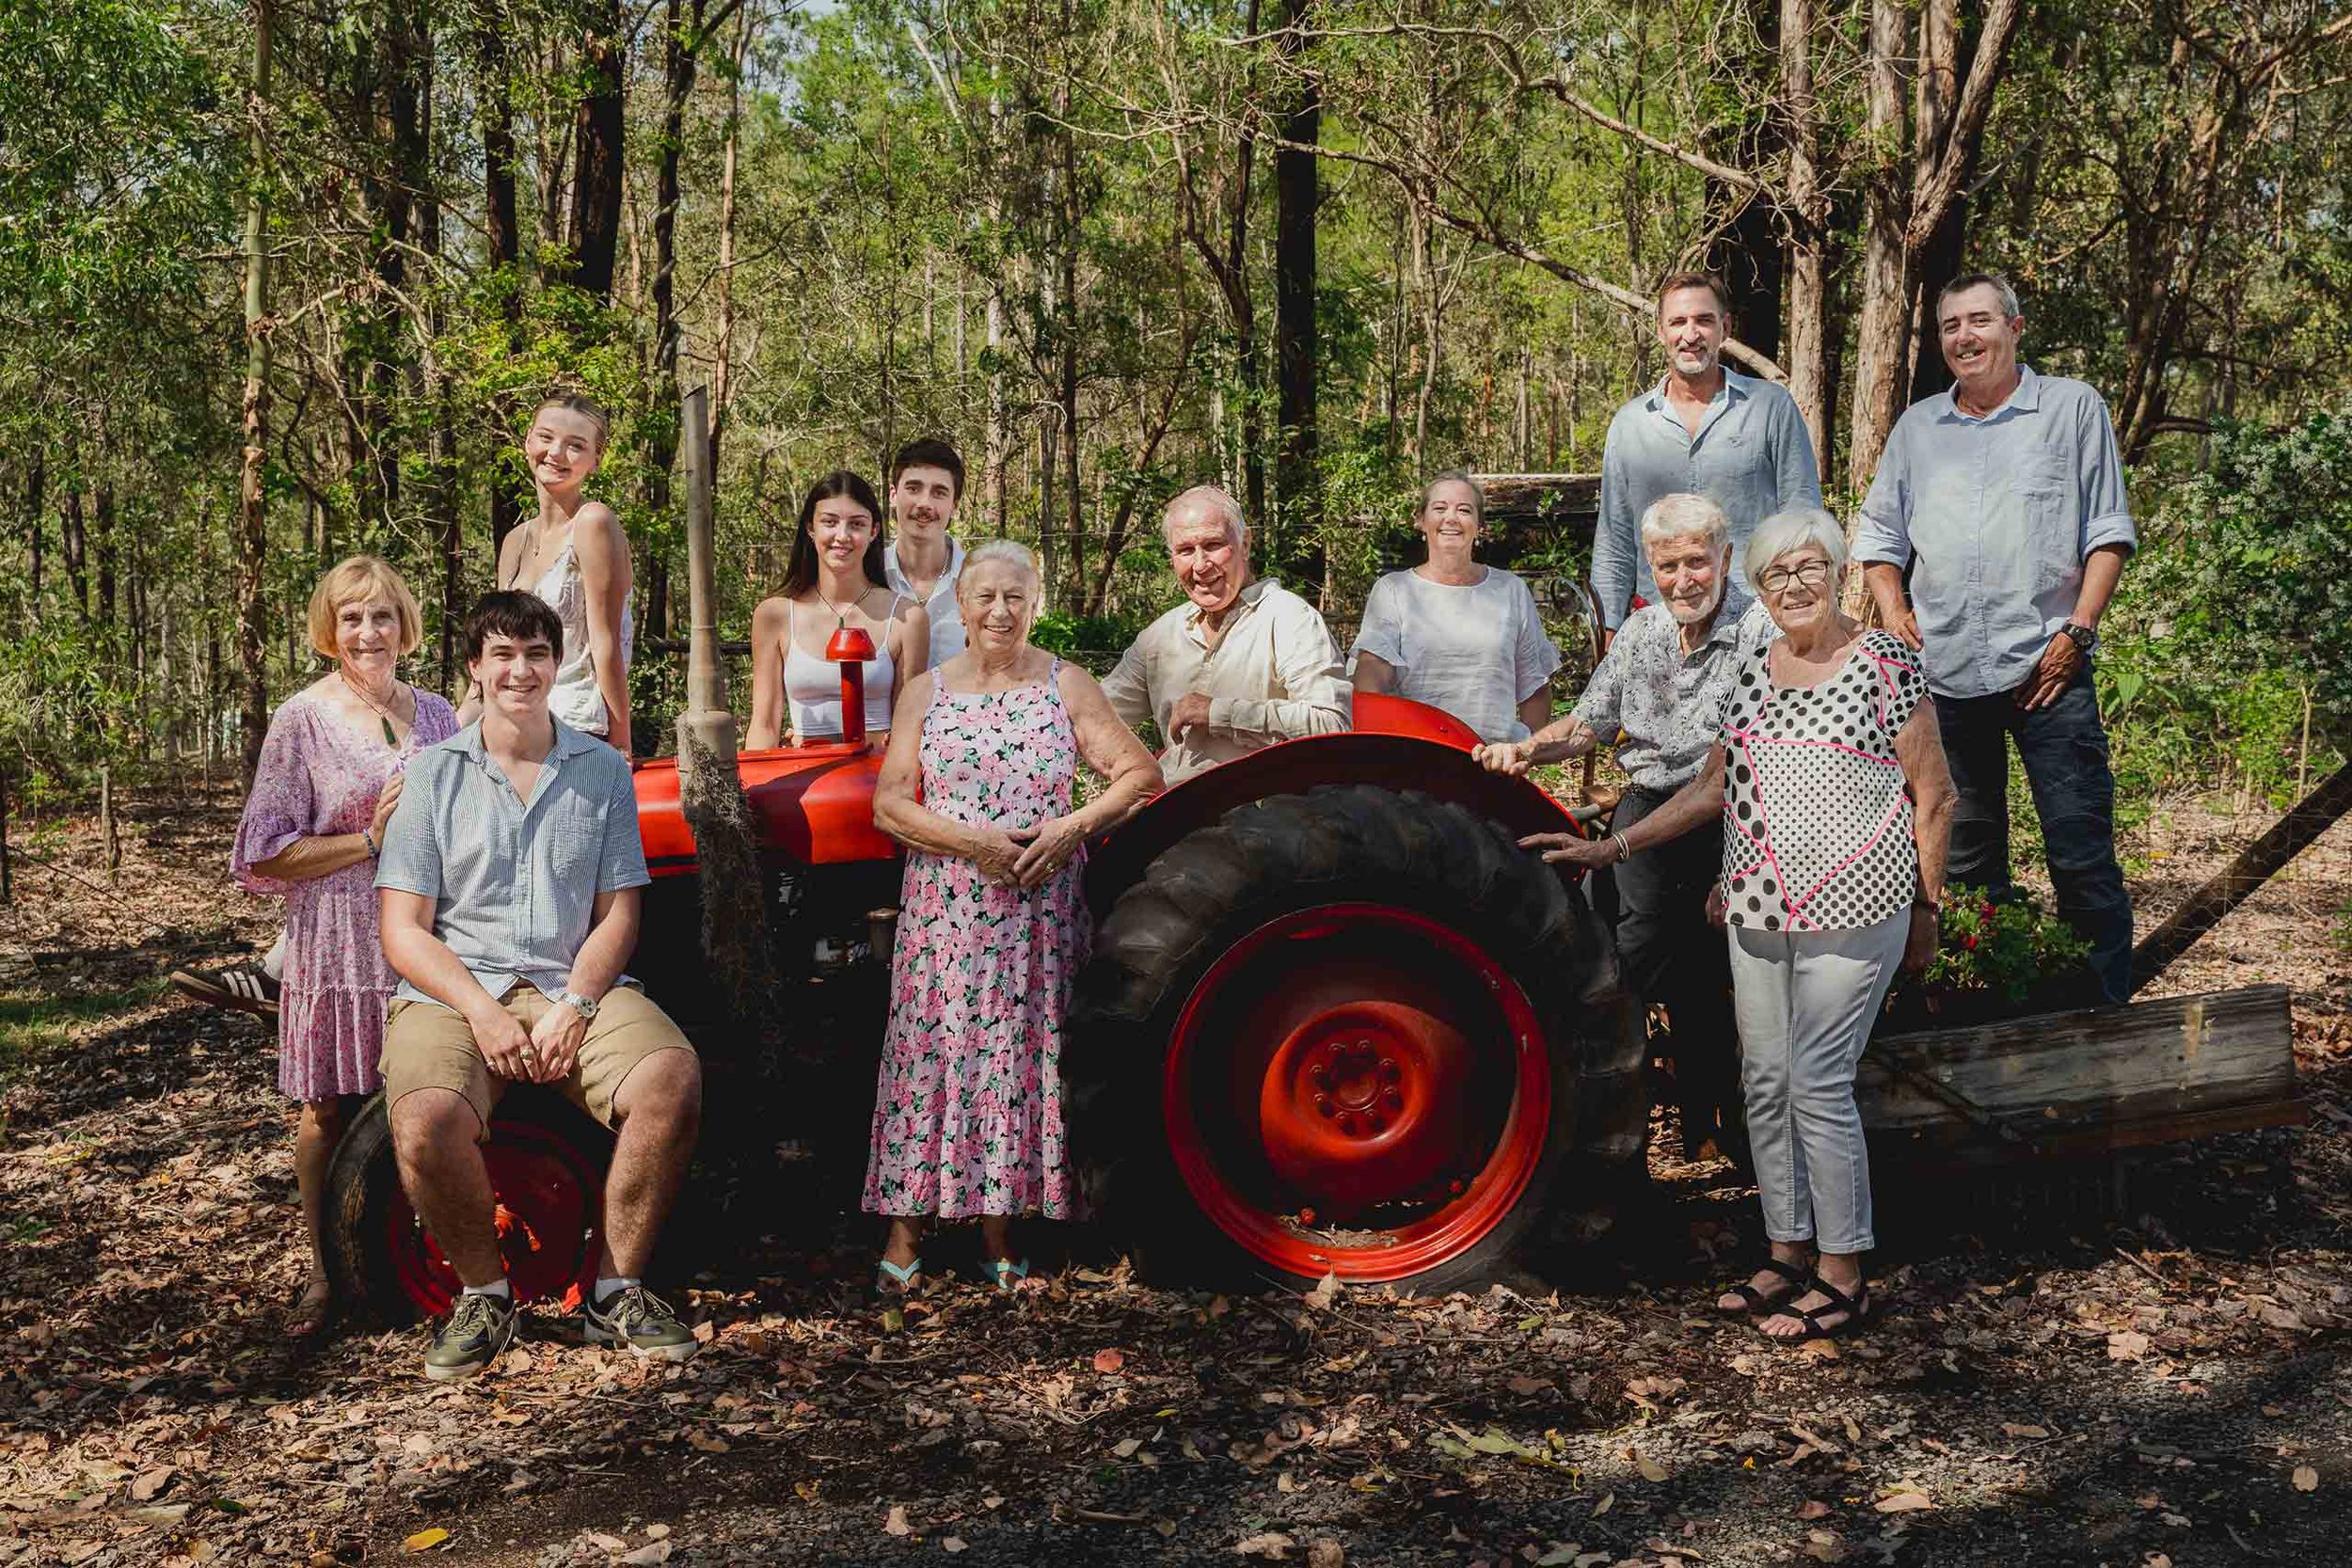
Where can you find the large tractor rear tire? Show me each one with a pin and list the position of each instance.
(546, 1163)
(1355, 1032)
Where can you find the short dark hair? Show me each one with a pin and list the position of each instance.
(928, 452)
(2001, 287)
(1707, 280)
(511, 613)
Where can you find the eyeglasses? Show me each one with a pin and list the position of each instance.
(1812, 574)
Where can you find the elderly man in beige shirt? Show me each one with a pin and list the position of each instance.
(1241, 664)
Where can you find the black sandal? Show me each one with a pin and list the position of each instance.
(1757, 1302)
(1855, 1307)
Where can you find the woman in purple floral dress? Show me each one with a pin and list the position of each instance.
(328, 779)
(993, 925)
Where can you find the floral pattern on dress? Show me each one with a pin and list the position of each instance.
(967, 1114)
(320, 776)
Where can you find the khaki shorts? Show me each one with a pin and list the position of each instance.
(427, 1046)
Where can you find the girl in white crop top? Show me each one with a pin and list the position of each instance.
(832, 580)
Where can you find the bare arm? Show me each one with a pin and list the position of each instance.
(1110, 748)
(1374, 673)
(1885, 580)
(769, 623)
(602, 551)
(2102, 570)
(914, 648)
(1919, 749)
(1695, 802)
(611, 940)
(899, 813)
(1535, 709)
(309, 858)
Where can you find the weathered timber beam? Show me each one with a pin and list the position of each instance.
(2206, 908)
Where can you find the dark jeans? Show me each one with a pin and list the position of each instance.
(2064, 749)
(1673, 957)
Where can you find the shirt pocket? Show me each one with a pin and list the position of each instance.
(2045, 496)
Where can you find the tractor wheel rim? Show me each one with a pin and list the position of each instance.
(1419, 1092)
(549, 1206)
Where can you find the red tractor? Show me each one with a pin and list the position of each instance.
(1336, 1021)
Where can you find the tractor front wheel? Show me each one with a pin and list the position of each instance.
(547, 1162)
(1354, 1032)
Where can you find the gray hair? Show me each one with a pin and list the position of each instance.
(1008, 552)
(2011, 309)
(1686, 514)
(1217, 500)
(1793, 530)
(1455, 476)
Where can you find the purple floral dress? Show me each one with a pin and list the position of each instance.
(968, 1118)
(319, 777)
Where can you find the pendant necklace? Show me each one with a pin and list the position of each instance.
(383, 715)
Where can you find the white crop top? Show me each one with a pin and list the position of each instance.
(812, 686)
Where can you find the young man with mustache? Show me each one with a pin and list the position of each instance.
(923, 560)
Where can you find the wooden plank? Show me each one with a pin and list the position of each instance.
(2105, 1077)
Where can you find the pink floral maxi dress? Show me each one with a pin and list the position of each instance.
(967, 1116)
(319, 777)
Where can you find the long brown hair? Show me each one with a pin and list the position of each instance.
(800, 572)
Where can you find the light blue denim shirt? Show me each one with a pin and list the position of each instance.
(1752, 457)
(1996, 516)
(514, 882)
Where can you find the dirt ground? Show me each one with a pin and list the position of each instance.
(2071, 1368)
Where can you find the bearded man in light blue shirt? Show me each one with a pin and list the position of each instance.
(2002, 502)
(1703, 430)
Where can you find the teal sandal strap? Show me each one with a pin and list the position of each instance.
(902, 1275)
(1005, 1271)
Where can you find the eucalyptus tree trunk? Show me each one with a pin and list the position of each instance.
(252, 513)
(1296, 175)
(501, 239)
(1808, 274)
(596, 141)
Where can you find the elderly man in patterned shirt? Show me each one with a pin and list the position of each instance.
(2002, 500)
(1662, 685)
(1243, 662)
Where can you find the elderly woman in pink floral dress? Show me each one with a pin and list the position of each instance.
(328, 779)
(993, 926)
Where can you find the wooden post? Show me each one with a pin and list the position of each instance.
(106, 818)
(8, 888)
(707, 725)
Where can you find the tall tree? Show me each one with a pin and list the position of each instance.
(1296, 182)
(253, 505)
(597, 130)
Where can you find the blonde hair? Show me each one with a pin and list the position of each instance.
(357, 580)
(581, 404)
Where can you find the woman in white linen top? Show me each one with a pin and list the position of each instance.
(1457, 635)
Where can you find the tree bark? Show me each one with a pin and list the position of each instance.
(1808, 220)
(596, 140)
(1880, 368)
(723, 351)
(501, 237)
(252, 514)
(1296, 190)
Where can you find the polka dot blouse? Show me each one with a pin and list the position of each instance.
(1816, 818)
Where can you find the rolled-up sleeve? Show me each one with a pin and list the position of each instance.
(622, 864)
(2106, 509)
(410, 861)
(1795, 472)
(1536, 656)
(1308, 662)
(1129, 684)
(1381, 633)
(1614, 536)
(1884, 530)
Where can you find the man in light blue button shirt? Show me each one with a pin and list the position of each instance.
(1738, 441)
(2003, 499)
(507, 894)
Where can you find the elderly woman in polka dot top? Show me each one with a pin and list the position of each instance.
(1836, 801)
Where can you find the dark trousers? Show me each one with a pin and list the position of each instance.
(2064, 749)
(1674, 958)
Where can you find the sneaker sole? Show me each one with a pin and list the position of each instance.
(459, 1375)
(211, 995)
(674, 1353)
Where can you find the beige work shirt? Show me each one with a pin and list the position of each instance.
(1274, 676)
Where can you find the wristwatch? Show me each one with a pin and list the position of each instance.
(2085, 637)
(578, 1004)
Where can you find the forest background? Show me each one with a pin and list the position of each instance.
(280, 280)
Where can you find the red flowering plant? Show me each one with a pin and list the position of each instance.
(1999, 945)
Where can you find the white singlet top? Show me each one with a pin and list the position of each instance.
(575, 698)
(812, 686)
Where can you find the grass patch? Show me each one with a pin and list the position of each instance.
(34, 1023)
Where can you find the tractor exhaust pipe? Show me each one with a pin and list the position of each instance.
(851, 647)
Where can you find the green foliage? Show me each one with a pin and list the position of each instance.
(2004, 946)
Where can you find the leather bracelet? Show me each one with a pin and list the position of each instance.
(375, 850)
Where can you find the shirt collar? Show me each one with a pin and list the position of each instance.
(569, 742)
(1736, 387)
(2025, 397)
(1252, 592)
(901, 583)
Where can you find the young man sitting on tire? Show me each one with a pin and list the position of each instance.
(1243, 663)
(508, 895)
